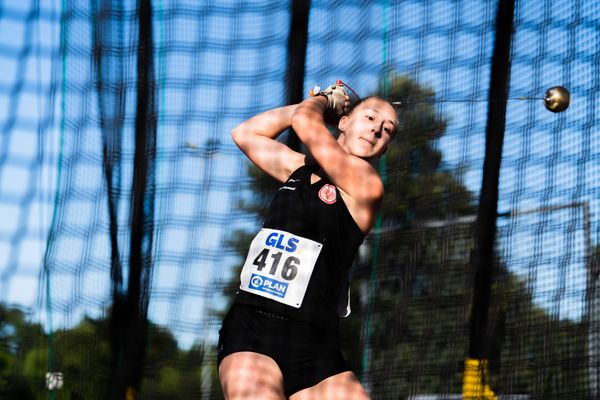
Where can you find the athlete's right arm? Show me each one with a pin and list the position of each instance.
(257, 136)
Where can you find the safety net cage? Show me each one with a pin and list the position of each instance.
(126, 210)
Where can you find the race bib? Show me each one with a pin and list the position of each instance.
(279, 266)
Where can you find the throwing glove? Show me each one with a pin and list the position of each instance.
(336, 98)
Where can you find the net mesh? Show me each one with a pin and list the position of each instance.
(68, 96)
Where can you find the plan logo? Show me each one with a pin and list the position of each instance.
(268, 285)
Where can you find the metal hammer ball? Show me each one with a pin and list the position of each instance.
(557, 99)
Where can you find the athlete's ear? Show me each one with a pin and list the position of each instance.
(342, 123)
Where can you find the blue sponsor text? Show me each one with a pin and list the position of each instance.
(278, 240)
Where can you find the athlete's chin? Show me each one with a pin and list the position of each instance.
(366, 155)
(364, 152)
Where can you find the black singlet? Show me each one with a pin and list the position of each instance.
(317, 212)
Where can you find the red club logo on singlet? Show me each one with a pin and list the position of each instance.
(327, 194)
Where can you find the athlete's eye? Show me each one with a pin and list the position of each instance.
(370, 117)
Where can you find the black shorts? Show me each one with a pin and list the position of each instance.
(305, 353)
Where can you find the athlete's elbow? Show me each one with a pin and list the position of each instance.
(305, 125)
(299, 120)
(238, 135)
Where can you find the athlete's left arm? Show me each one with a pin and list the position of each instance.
(353, 175)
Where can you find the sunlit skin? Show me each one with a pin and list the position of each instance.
(349, 163)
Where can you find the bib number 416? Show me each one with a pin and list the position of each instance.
(279, 265)
(289, 269)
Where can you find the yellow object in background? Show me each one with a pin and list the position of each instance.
(130, 393)
(474, 378)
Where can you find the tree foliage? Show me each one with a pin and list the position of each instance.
(83, 355)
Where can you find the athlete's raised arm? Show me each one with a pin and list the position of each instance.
(257, 136)
(364, 136)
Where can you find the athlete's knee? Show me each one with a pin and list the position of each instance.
(247, 376)
(343, 386)
(353, 391)
(251, 391)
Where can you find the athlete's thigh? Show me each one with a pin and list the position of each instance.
(248, 375)
(343, 386)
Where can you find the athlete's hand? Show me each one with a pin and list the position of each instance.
(338, 101)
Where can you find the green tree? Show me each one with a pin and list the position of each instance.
(17, 336)
(83, 355)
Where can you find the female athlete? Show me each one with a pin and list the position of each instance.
(281, 338)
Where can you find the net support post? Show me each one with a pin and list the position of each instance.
(297, 42)
(129, 322)
(483, 255)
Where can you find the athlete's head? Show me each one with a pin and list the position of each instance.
(366, 131)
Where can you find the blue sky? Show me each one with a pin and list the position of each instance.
(218, 64)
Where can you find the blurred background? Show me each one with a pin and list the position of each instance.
(126, 209)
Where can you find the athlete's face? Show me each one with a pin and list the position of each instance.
(368, 130)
